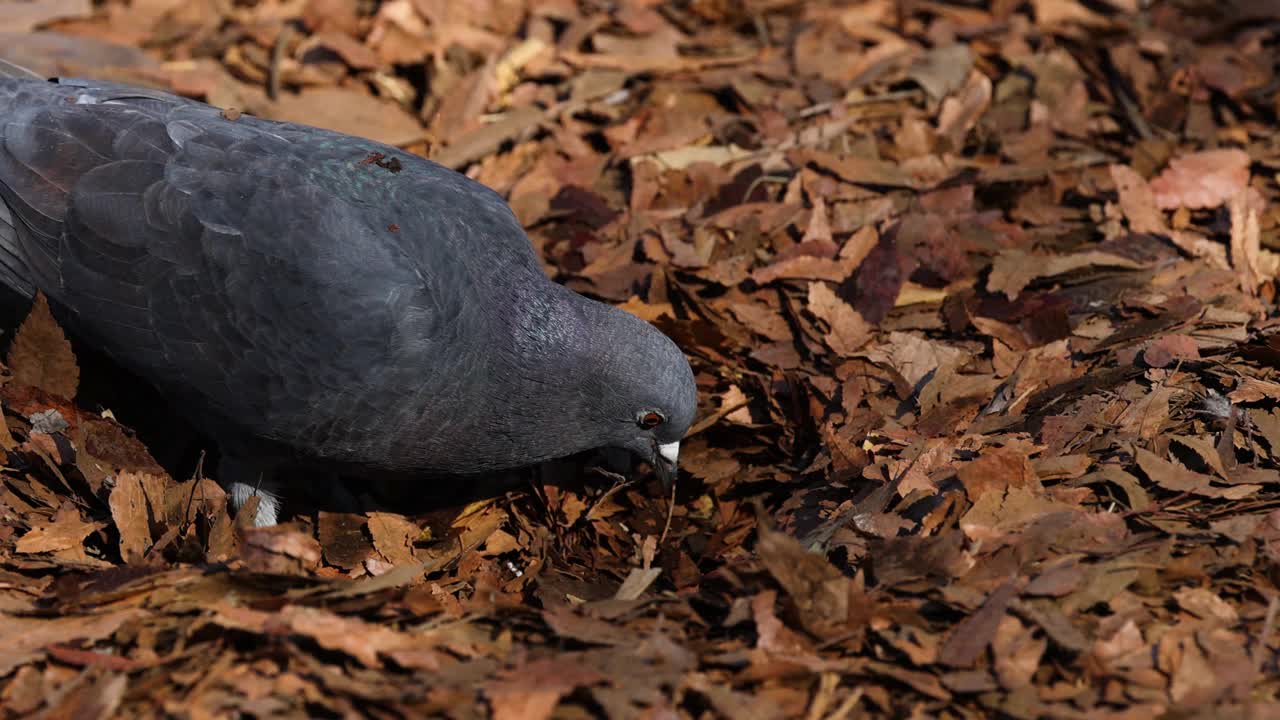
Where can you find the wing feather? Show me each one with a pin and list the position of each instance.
(267, 275)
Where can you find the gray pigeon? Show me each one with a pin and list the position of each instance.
(308, 295)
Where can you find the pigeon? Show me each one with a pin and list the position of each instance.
(306, 295)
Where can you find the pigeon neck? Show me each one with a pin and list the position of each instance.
(557, 354)
(559, 331)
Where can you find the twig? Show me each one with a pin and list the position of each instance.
(277, 57)
(780, 179)
(197, 476)
(846, 707)
(671, 510)
(822, 107)
(619, 482)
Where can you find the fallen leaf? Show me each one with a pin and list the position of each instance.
(1205, 604)
(1206, 179)
(912, 356)
(848, 332)
(23, 639)
(819, 590)
(1013, 271)
(1246, 239)
(971, 636)
(1138, 201)
(280, 549)
(64, 531)
(532, 691)
(128, 503)
(393, 537)
(41, 354)
(961, 110)
(19, 16)
(1169, 350)
(347, 111)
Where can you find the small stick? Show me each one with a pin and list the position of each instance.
(277, 57)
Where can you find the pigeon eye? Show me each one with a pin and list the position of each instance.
(650, 420)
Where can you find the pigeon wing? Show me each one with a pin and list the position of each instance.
(281, 280)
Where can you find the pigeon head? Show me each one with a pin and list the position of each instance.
(573, 374)
(643, 397)
(656, 398)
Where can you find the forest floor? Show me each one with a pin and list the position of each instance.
(980, 297)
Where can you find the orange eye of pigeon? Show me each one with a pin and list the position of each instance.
(651, 420)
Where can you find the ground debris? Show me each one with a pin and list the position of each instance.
(980, 297)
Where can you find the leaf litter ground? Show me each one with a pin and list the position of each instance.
(981, 302)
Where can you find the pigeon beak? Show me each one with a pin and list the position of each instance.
(668, 454)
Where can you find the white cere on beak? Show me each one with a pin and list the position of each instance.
(670, 451)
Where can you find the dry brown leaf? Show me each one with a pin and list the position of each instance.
(912, 355)
(362, 641)
(682, 158)
(771, 634)
(1246, 239)
(804, 267)
(1173, 477)
(23, 639)
(344, 541)
(1138, 202)
(943, 70)
(1206, 179)
(1012, 271)
(995, 514)
(1122, 645)
(646, 311)
(848, 331)
(1250, 389)
(971, 636)
(818, 589)
(41, 354)
(532, 691)
(636, 582)
(128, 503)
(1017, 653)
(1168, 350)
(393, 537)
(1205, 604)
(996, 470)
(64, 531)
(353, 53)
(348, 111)
(861, 171)
(280, 549)
(1057, 13)
(18, 16)
(960, 111)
